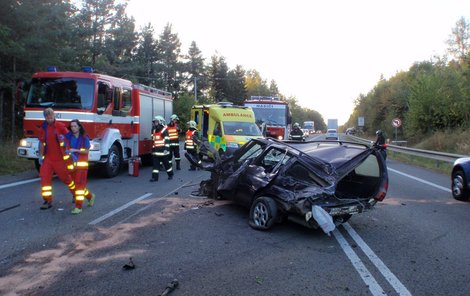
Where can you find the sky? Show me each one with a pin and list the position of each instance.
(323, 53)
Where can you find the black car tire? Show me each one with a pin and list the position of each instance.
(112, 166)
(263, 213)
(459, 187)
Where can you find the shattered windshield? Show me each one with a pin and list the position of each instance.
(62, 93)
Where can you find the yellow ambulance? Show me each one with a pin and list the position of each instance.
(225, 126)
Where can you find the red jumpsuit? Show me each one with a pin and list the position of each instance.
(80, 167)
(54, 158)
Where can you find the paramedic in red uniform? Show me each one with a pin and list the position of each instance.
(53, 157)
(78, 146)
(173, 132)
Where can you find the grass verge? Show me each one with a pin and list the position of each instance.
(10, 163)
(432, 164)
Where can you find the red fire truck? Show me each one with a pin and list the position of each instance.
(272, 114)
(117, 114)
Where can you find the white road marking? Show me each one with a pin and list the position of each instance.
(422, 181)
(121, 208)
(114, 212)
(366, 276)
(389, 276)
(19, 183)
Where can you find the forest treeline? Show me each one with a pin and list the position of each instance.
(67, 34)
(432, 95)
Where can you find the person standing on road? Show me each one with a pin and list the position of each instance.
(296, 133)
(160, 149)
(79, 144)
(192, 143)
(53, 157)
(380, 142)
(173, 132)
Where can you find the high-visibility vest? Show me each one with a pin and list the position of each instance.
(173, 134)
(161, 142)
(189, 142)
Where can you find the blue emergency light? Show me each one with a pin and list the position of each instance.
(88, 69)
(51, 69)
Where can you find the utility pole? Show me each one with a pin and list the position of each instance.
(195, 89)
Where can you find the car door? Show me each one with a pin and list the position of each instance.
(259, 174)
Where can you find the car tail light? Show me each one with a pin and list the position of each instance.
(383, 191)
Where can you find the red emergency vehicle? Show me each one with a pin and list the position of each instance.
(272, 115)
(116, 114)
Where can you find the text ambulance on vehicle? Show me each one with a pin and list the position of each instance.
(116, 114)
(272, 114)
(225, 126)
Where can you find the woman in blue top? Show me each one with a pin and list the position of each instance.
(78, 146)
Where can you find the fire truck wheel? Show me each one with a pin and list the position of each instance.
(113, 165)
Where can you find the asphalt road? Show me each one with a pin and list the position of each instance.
(413, 243)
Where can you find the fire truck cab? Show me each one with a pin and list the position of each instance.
(272, 115)
(116, 114)
(225, 126)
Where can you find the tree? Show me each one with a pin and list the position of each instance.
(236, 92)
(94, 20)
(218, 71)
(121, 41)
(255, 85)
(146, 56)
(196, 70)
(459, 40)
(169, 65)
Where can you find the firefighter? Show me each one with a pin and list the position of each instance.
(192, 143)
(296, 134)
(173, 132)
(53, 157)
(160, 149)
(78, 146)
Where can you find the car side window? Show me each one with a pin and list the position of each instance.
(274, 157)
(301, 173)
(251, 153)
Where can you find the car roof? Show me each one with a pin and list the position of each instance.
(334, 153)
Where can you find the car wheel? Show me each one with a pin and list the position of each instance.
(112, 167)
(459, 187)
(263, 213)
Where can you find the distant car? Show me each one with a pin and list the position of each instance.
(332, 134)
(293, 180)
(460, 179)
(306, 132)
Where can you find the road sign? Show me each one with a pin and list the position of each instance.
(396, 122)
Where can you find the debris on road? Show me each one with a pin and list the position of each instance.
(129, 265)
(170, 287)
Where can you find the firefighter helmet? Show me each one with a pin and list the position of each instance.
(192, 124)
(174, 117)
(159, 120)
(379, 132)
(297, 125)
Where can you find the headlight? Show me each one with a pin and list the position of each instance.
(232, 145)
(25, 143)
(280, 137)
(95, 146)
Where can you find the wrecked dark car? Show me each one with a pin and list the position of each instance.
(315, 183)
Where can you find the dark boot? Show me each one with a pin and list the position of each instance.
(154, 179)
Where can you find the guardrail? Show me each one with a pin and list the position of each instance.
(441, 156)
